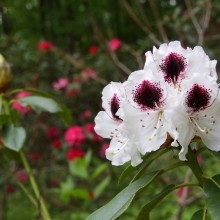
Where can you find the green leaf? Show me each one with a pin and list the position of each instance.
(100, 169)
(4, 119)
(64, 113)
(101, 187)
(121, 202)
(88, 157)
(14, 137)
(212, 195)
(40, 104)
(199, 215)
(147, 160)
(145, 211)
(80, 193)
(78, 167)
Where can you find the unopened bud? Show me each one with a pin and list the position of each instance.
(5, 74)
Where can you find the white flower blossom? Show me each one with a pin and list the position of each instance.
(107, 125)
(175, 95)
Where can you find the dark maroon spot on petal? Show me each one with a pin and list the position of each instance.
(198, 98)
(172, 66)
(115, 104)
(148, 95)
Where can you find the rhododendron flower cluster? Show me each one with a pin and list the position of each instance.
(74, 153)
(45, 46)
(61, 83)
(114, 44)
(174, 97)
(74, 136)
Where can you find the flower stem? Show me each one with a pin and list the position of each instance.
(194, 166)
(43, 208)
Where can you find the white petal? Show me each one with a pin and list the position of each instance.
(108, 92)
(122, 150)
(105, 126)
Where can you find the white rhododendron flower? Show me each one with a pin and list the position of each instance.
(145, 114)
(176, 96)
(107, 125)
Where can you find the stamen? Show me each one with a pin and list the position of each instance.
(121, 148)
(159, 123)
(203, 130)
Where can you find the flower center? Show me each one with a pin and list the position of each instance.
(172, 66)
(148, 95)
(198, 98)
(115, 104)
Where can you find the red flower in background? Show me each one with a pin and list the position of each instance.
(22, 176)
(86, 114)
(56, 143)
(74, 136)
(93, 49)
(72, 92)
(35, 156)
(114, 44)
(52, 132)
(45, 46)
(17, 105)
(10, 189)
(103, 149)
(90, 127)
(74, 153)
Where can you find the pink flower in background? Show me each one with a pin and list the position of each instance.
(17, 105)
(22, 176)
(200, 160)
(74, 153)
(93, 49)
(74, 136)
(61, 83)
(90, 127)
(114, 44)
(57, 143)
(103, 149)
(86, 114)
(88, 73)
(45, 46)
(52, 132)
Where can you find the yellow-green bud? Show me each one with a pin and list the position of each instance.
(5, 74)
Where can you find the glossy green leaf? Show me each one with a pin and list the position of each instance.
(122, 201)
(199, 215)
(147, 160)
(64, 113)
(145, 211)
(40, 104)
(101, 187)
(14, 137)
(212, 196)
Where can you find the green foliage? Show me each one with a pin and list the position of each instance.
(212, 194)
(122, 201)
(14, 137)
